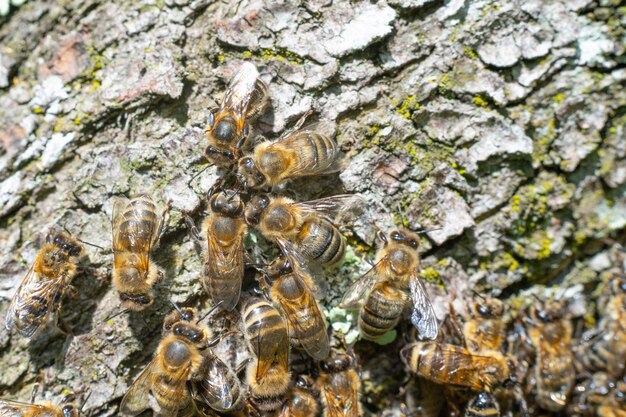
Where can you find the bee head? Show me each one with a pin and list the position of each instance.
(279, 268)
(489, 308)
(255, 208)
(178, 315)
(176, 354)
(304, 382)
(405, 238)
(224, 129)
(68, 245)
(547, 313)
(227, 203)
(69, 411)
(190, 332)
(338, 363)
(249, 174)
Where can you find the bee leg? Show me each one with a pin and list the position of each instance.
(456, 326)
(34, 392)
(163, 223)
(63, 326)
(191, 225)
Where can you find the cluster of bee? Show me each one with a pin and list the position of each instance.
(531, 369)
(544, 368)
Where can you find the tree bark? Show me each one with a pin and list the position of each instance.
(497, 127)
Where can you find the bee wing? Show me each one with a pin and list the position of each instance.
(225, 262)
(423, 316)
(298, 262)
(361, 288)
(217, 386)
(28, 297)
(306, 318)
(116, 218)
(240, 90)
(137, 399)
(272, 350)
(339, 405)
(335, 208)
(10, 408)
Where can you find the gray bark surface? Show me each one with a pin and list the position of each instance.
(496, 126)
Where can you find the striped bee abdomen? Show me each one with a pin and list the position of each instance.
(319, 240)
(139, 223)
(382, 310)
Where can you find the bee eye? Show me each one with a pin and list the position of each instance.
(482, 310)
(397, 236)
(413, 243)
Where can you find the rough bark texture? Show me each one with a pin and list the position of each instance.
(497, 126)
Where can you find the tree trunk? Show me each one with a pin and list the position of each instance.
(497, 127)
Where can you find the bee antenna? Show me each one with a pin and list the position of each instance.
(211, 311)
(116, 314)
(479, 295)
(401, 213)
(80, 240)
(422, 232)
(85, 401)
(176, 306)
(196, 175)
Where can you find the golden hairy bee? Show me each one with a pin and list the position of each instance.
(224, 230)
(296, 154)
(217, 385)
(136, 226)
(600, 395)
(302, 400)
(454, 365)
(44, 409)
(550, 332)
(245, 99)
(381, 294)
(41, 290)
(180, 360)
(303, 227)
(605, 348)
(340, 384)
(267, 374)
(291, 287)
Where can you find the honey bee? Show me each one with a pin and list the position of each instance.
(291, 288)
(305, 225)
(449, 364)
(175, 362)
(217, 384)
(44, 409)
(296, 154)
(607, 350)
(381, 293)
(339, 384)
(245, 99)
(225, 230)
(136, 226)
(41, 290)
(483, 405)
(551, 335)
(267, 374)
(485, 331)
(302, 401)
(600, 395)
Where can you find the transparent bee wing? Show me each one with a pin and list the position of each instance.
(423, 315)
(225, 262)
(336, 208)
(217, 386)
(305, 318)
(298, 262)
(339, 405)
(29, 296)
(360, 289)
(240, 90)
(10, 408)
(137, 399)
